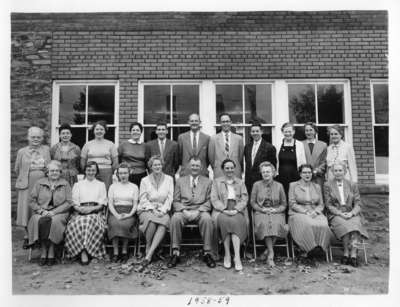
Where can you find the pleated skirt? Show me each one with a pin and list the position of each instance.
(85, 232)
(125, 228)
(270, 225)
(309, 232)
(57, 228)
(235, 224)
(341, 226)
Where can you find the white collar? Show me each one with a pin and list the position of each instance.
(134, 142)
(313, 141)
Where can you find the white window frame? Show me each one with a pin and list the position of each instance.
(280, 101)
(379, 178)
(56, 105)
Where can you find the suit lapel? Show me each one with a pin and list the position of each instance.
(308, 152)
(346, 190)
(316, 150)
(167, 146)
(188, 141)
(258, 153)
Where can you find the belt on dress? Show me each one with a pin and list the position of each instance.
(91, 203)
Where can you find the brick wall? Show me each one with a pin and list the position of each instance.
(134, 46)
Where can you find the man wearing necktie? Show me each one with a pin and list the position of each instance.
(167, 149)
(226, 144)
(192, 205)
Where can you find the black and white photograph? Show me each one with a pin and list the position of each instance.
(200, 154)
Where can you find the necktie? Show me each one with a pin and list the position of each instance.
(253, 152)
(193, 186)
(227, 144)
(194, 145)
(311, 145)
(162, 148)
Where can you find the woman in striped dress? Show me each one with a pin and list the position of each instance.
(344, 210)
(308, 225)
(268, 200)
(87, 226)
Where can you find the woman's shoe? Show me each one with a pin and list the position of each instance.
(345, 260)
(238, 266)
(270, 262)
(51, 261)
(42, 261)
(145, 263)
(115, 258)
(25, 243)
(354, 262)
(227, 263)
(124, 258)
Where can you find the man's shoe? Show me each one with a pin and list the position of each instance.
(145, 263)
(354, 262)
(209, 261)
(51, 261)
(345, 260)
(173, 261)
(43, 261)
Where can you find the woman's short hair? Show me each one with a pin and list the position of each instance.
(136, 124)
(337, 128)
(266, 164)
(288, 124)
(53, 163)
(306, 165)
(122, 165)
(312, 125)
(102, 123)
(65, 126)
(35, 128)
(154, 158)
(90, 164)
(227, 161)
(342, 164)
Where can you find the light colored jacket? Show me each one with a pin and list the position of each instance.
(299, 202)
(192, 199)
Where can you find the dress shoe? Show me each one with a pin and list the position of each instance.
(145, 263)
(345, 260)
(42, 261)
(173, 261)
(209, 261)
(227, 263)
(124, 258)
(51, 261)
(25, 243)
(354, 262)
(115, 258)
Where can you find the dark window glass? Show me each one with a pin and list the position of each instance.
(229, 100)
(156, 104)
(301, 103)
(78, 136)
(258, 103)
(72, 104)
(381, 135)
(323, 134)
(101, 103)
(267, 134)
(179, 130)
(186, 102)
(110, 134)
(299, 133)
(330, 104)
(381, 103)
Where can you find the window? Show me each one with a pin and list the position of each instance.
(81, 104)
(169, 103)
(321, 103)
(246, 103)
(380, 115)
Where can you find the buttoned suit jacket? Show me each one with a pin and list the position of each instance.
(185, 152)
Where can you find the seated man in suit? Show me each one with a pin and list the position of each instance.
(192, 205)
(193, 143)
(224, 145)
(167, 149)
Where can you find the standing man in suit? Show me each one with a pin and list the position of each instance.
(192, 205)
(315, 153)
(167, 149)
(226, 144)
(256, 152)
(193, 143)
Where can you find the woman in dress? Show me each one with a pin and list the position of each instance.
(315, 151)
(50, 202)
(229, 200)
(86, 227)
(340, 151)
(133, 153)
(268, 200)
(101, 151)
(344, 211)
(308, 225)
(122, 205)
(29, 168)
(68, 154)
(156, 195)
(291, 155)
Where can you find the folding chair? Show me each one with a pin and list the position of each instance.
(255, 245)
(336, 244)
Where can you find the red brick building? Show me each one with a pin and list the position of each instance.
(328, 67)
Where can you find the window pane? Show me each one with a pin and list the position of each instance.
(323, 134)
(381, 103)
(78, 136)
(156, 104)
(179, 130)
(258, 103)
(110, 134)
(229, 100)
(301, 103)
(72, 104)
(330, 104)
(101, 104)
(381, 135)
(186, 102)
(267, 134)
(299, 133)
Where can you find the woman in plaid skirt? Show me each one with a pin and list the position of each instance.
(87, 226)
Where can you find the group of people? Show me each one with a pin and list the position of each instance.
(163, 185)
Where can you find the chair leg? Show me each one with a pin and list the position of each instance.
(327, 256)
(287, 248)
(292, 244)
(365, 253)
(330, 253)
(30, 254)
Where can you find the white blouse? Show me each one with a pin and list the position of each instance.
(343, 152)
(122, 194)
(86, 191)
